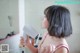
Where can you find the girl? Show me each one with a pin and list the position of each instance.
(58, 24)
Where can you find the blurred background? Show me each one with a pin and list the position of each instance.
(14, 14)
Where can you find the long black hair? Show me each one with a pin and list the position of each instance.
(59, 21)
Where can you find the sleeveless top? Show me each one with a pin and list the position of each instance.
(52, 48)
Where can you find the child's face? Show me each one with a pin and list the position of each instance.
(45, 23)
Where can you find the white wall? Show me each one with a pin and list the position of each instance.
(34, 12)
(8, 8)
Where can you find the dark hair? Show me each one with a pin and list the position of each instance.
(59, 21)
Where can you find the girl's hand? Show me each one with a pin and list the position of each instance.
(26, 43)
(30, 45)
(21, 42)
(29, 42)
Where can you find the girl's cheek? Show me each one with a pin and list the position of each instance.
(45, 23)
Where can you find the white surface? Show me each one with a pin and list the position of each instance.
(14, 44)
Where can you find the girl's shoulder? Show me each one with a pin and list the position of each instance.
(62, 47)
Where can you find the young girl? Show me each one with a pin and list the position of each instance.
(58, 24)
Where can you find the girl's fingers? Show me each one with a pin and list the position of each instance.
(28, 39)
(21, 37)
(22, 41)
(32, 41)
